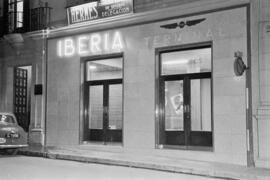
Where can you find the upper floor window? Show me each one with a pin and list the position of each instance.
(19, 18)
(15, 15)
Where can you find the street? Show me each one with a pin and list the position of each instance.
(34, 168)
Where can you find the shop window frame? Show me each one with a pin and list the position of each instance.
(86, 84)
(158, 93)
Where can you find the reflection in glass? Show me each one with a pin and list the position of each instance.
(115, 106)
(104, 69)
(201, 105)
(186, 61)
(96, 107)
(174, 105)
(19, 14)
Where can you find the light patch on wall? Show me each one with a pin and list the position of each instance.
(82, 47)
(69, 47)
(90, 44)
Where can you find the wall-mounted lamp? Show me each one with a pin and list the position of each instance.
(239, 65)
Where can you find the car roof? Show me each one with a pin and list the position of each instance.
(7, 113)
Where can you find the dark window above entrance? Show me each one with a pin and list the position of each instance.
(104, 69)
(187, 61)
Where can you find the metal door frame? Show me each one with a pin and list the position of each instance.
(160, 116)
(105, 84)
(186, 78)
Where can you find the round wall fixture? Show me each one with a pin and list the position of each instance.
(239, 66)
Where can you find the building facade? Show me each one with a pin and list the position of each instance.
(150, 76)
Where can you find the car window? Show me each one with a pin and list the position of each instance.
(7, 119)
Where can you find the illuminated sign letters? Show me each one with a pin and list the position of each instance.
(90, 44)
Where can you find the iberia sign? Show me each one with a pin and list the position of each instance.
(90, 44)
(98, 9)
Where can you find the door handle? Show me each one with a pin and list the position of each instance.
(106, 109)
(186, 108)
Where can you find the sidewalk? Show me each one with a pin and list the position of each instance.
(148, 161)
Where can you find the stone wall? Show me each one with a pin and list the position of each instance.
(148, 5)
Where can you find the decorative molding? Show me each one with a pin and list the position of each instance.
(182, 24)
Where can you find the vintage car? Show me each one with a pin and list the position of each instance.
(12, 136)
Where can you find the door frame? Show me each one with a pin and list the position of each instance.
(28, 94)
(186, 78)
(83, 77)
(105, 93)
(159, 115)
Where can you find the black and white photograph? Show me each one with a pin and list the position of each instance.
(135, 89)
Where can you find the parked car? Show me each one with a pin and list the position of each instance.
(12, 136)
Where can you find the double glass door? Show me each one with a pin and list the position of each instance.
(104, 107)
(186, 105)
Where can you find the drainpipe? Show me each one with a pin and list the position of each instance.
(45, 34)
(249, 122)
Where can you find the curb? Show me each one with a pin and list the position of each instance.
(173, 169)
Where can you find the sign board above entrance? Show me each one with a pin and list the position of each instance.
(98, 10)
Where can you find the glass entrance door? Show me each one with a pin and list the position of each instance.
(104, 106)
(174, 130)
(103, 120)
(185, 98)
(95, 113)
(187, 110)
(115, 113)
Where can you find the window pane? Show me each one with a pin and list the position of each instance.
(115, 106)
(96, 107)
(20, 6)
(186, 61)
(201, 105)
(19, 14)
(11, 8)
(19, 19)
(11, 22)
(104, 69)
(174, 105)
(7, 119)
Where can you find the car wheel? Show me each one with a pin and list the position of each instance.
(11, 151)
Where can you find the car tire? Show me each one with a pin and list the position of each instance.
(12, 151)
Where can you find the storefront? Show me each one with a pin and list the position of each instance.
(166, 87)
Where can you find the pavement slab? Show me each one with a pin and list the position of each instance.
(149, 161)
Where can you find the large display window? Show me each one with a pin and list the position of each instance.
(185, 97)
(103, 121)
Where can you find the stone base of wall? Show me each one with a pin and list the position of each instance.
(36, 137)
